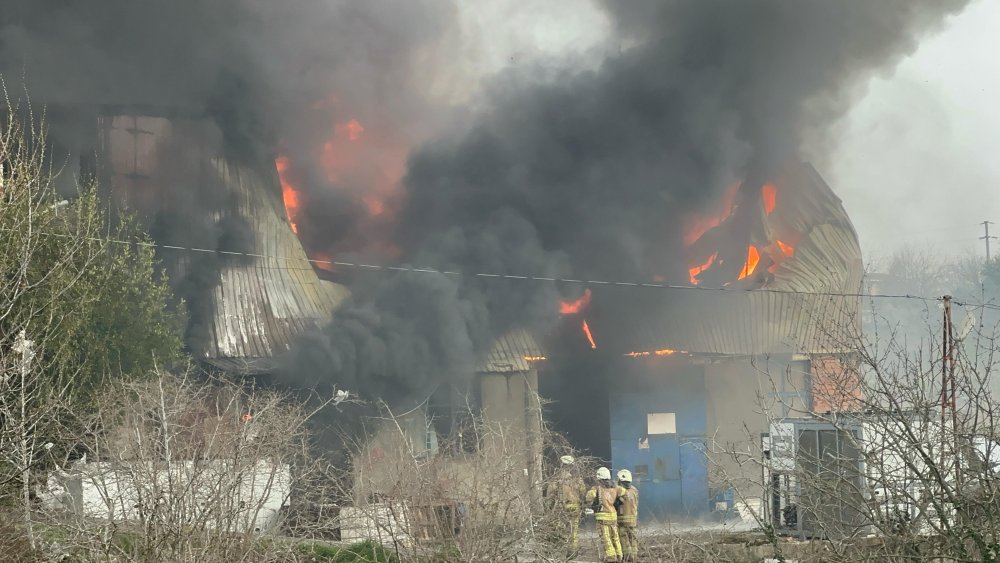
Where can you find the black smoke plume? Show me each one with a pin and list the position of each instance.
(255, 69)
(579, 172)
(590, 172)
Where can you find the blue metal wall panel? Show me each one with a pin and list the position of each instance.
(669, 469)
(694, 475)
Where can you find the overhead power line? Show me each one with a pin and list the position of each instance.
(526, 277)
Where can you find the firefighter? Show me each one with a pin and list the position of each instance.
(628, 512)
(604, 499)
(570, 491)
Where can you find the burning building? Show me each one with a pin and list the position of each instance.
(764, 329)
(223, 235)
(612, 171)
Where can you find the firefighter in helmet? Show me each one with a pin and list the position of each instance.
(604, 498)
(628, 512)
(569, 493)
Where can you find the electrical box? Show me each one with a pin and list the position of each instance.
(813, 474)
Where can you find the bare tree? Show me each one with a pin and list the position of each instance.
(79, 301)
(183, 469)
(469, 497)
(900, 461)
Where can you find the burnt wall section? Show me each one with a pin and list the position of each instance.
(249, 288)
(808, 304)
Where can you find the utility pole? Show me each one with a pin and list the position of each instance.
(948, 393)
(987, 237)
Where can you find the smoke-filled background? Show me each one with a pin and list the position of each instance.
(409, 140)
(595, 169)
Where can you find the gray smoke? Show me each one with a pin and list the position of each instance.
(590, 172)
(268, 74)
(582, 173)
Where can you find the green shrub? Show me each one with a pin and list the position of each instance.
(362, 552)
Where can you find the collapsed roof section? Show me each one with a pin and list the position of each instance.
(804, 303)
(250, 301)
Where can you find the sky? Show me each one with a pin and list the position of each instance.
(915, 157)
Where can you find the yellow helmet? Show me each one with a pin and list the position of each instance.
(603, 473)
(625, 475)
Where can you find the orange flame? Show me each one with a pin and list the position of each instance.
(693, 272)
(753, 258)
(353, 128)
(769, 193)
(664, 352)
(574, 307)
(590, 337)
(375, 205)
(337, 154)
(534, 358)
(322, 260)
(697, 225)
(289, 194)
(786, 249)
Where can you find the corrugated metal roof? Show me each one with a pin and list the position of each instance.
(262, 305)
(513, 352)
(827, 259)
(258, 305)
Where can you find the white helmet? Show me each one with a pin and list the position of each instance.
(625, 475)
(604, 473)
(567, 460)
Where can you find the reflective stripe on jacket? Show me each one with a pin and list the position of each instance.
(605, 511)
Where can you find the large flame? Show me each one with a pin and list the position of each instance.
(590, 337)
(772, 252)
(693, 272)
(289, 194)
(753, 258)
(769, 195)
(697, 224)
(364, 160)
(574, 307)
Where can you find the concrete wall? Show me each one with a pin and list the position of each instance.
(222, 494)
(714, 411)
(742, 394)
(403, 466)
(510, 404)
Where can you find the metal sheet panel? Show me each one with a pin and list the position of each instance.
(694, 474)
(515, 351)
(807, 305)
(259, 303)
(669, 469)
